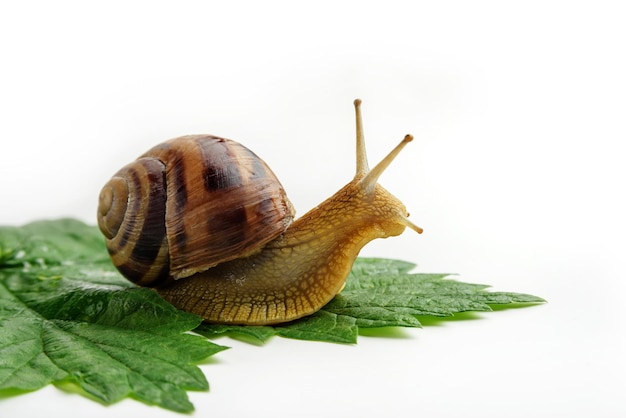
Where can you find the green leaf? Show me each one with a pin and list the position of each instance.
(66, 315)
(382, 293)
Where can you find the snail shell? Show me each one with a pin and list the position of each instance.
(187, 205)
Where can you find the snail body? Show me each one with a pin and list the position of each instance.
(258, 267)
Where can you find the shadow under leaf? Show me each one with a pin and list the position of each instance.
(385, 332)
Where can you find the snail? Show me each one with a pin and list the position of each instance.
(206, 223)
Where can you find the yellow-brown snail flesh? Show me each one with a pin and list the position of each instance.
(206, 223)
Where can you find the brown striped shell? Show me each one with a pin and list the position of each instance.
(187, 205)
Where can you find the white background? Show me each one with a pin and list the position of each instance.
(516, 175)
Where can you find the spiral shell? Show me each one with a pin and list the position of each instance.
(187, 205)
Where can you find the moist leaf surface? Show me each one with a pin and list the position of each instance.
(66, 315)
